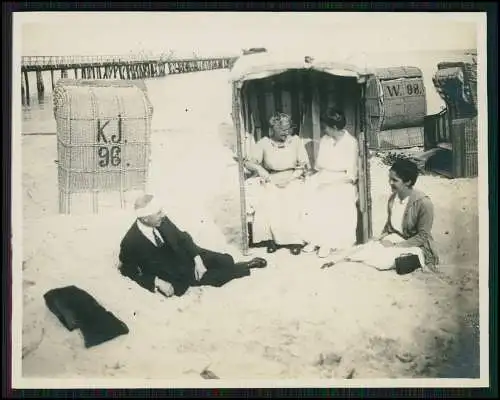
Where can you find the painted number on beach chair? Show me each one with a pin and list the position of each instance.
(413, 89)
(394, 90)
(109, 154)
(398, 90)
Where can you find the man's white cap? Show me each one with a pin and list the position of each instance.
(146, 205)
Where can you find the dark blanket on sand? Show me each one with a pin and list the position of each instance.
(76, 309)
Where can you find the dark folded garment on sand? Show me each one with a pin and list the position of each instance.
(105, 327)
(76, 309)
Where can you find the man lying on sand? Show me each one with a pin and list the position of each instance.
(158, 256)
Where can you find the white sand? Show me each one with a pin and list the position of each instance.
(274, 324)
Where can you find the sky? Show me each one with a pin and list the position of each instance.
(225, 33)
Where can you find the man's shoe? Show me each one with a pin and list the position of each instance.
(257, 262)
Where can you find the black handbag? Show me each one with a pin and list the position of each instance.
(407, 263)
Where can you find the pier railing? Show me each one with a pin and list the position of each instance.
(114, 67)
(34, 63)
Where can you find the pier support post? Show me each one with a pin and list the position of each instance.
(52, 78)
(27, 85)
(23, 93)
(39, 83)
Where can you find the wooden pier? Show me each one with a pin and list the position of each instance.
(111, 67)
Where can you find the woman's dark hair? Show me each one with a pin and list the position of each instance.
(334, 117)
(406, 170)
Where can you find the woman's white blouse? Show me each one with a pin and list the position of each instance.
(398, 209)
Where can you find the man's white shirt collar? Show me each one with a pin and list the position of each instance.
(147, 231)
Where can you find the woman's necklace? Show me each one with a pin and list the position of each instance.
(279, 144)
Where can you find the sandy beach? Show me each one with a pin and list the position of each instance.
(290, 320)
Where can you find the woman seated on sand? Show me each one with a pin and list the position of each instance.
(330, 214)
(410, 215)
(280, 162)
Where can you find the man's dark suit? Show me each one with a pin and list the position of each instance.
(173, 262)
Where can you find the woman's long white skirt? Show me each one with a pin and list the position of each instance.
(376, 255)
(277, 211)
(330, 215)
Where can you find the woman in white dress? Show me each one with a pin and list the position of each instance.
(280, 162)
(330, 214)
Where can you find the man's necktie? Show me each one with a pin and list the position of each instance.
(158, 239)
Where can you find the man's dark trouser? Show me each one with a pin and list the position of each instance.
(221, 269)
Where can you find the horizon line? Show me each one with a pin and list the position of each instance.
(234, 53)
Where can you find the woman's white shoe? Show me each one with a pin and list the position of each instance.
(323, 252)
(309, 248)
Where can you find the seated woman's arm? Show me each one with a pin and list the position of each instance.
(254, 160)
(303, 165)
(425, 219)
(253, 166)
(385, 232)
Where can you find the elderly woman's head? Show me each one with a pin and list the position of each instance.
(332, 121)
(403, 175)
(281, 126)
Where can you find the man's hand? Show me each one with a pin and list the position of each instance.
(386, 243)
(164, 287)
(199, 268)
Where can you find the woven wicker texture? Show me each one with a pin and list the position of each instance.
(304, 95)
(401, 138)
(103, 83)
(398, 72)
(471, 78)
(103, 136)
(396, 102)
(456, 83)
(465, 153)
